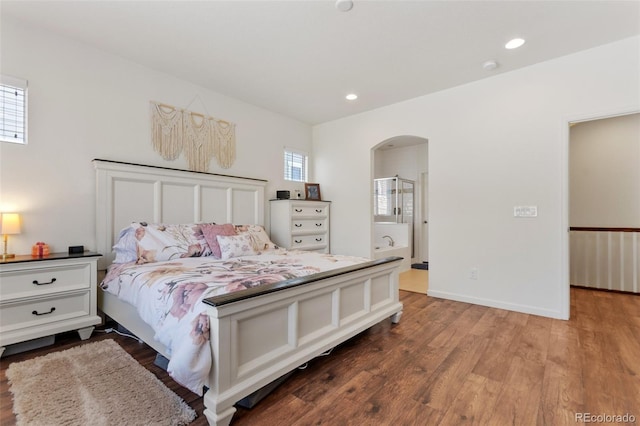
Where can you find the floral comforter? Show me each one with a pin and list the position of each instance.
(168, 296)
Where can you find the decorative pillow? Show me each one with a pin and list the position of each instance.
(127, 246)
(211, 231)
(259, 237)
(235, 246)
(156, 242)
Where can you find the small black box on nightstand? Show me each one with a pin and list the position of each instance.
(76, 249)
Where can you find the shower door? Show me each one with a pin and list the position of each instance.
(405, 201)
(393, 200)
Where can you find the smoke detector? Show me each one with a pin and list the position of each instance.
(344, 5)
(490, 65)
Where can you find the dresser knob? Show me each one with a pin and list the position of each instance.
(297, 225)
(297, 241)
(53, 280)
(43, 313)
(318, 224)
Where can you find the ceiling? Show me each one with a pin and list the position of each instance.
(300, 58)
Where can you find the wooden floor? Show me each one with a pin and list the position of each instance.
(416, 280)
(449, 363)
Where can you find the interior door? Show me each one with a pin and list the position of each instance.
(424, 241)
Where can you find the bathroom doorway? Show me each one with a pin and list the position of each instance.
(406, 157)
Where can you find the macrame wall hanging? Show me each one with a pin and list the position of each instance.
(176, 130)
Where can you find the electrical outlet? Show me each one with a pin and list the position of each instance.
(473, 274)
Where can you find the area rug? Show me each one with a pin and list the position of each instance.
(92, 384)
(423, 265)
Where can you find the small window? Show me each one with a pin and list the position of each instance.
(13, 109)
(295, 165)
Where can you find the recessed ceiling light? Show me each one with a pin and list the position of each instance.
(351, 97)
(514, 44)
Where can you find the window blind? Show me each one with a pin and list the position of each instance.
(295, 166)
(13, 110)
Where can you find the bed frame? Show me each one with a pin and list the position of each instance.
(260, 334)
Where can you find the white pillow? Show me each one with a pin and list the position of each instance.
(127, 246)
(259, 237)
(154, 242)
(235, 246)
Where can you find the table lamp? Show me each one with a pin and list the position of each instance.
(9, 225)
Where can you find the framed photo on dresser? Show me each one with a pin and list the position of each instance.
(312, 191)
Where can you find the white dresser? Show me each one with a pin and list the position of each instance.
(300, 224)
(43, 296)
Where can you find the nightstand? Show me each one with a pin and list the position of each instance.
(42, 296)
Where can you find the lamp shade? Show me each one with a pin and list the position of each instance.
(9, 223)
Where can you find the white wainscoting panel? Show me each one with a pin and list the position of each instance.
(605, 259)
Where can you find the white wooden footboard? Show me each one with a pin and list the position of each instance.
(256, 340)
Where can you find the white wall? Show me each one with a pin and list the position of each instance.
(406, 162)
(604, 173)
(493, 144)
(86, 104)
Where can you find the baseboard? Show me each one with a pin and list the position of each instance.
(525, 309)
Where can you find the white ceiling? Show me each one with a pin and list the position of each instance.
(300, 58)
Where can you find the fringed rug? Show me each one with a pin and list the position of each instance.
(92, 384)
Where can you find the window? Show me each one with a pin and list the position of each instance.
(295, 165)
(13, 109)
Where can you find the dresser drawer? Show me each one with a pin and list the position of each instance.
(319, 210)
(308, 225)
(302, 242)
(35, 282)
(36, 312)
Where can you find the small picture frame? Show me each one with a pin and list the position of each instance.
(312, 191)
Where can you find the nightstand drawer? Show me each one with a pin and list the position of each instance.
(40, 281)
(24, 314)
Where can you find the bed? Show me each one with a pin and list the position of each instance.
(256, 334)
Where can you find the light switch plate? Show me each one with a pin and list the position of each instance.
(525, 211)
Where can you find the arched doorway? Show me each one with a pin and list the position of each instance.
(405, 157)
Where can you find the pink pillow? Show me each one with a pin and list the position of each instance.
(211, 232)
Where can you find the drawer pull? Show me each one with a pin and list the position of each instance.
(298, 210)
(53, 280)
(318, 239)
(297, 225)
(318, 210)
(43, 313)
(297, 241)
(318, 224)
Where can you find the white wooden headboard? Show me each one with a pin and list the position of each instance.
(128, 193)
